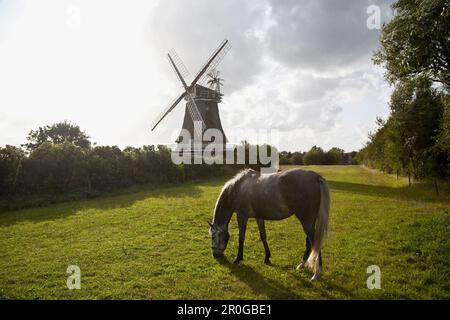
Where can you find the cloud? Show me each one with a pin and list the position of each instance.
(301, 67)
(323, 36)
(196, 28)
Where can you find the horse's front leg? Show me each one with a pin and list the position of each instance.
(242, 223)
(263, 237)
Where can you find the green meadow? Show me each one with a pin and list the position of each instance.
(154, 244)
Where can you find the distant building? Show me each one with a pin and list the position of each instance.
(347, 158)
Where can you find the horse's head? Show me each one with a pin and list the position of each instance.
(219, 239)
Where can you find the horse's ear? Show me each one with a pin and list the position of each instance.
(210, 224)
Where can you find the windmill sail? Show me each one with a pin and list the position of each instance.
(179, 63)
(192, 106)
(212, 62)
(167, 110)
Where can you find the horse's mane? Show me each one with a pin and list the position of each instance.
(229, 189)
(237, 179)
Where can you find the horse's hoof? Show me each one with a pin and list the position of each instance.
(301, 266)
(267, 261)
(237, 261)
(315, 277)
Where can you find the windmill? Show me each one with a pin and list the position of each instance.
(201, 112)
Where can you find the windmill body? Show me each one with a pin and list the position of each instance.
(207, 101)
(201, 112)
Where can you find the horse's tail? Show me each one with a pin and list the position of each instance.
(321, 224)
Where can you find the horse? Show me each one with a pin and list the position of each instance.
(273, 196)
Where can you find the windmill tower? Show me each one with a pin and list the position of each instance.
(202, 111)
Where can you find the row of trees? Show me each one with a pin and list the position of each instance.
(59, 160)
(415, 51)
(317, 156)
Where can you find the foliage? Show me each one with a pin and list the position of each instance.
(412, 140)
(10, 165)
(62, 165)
(317, 156)
(57, 133)
(443, 138)
(416, 41)
(415, 50)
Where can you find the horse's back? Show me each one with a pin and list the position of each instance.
(266, 198)
(301, 190)
(298, 177)
(279, 195)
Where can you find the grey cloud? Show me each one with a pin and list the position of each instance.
(308, 87)
(314, 35)
(323, 35)
(195, 28)
(274, 112)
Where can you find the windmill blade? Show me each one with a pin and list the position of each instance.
(177, 62)
(177, 71)
(192, 106)
(196, 116)
(167, 110)
(212, 62)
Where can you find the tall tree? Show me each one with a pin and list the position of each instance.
(416, 41)
(57, 133)
(416, 113)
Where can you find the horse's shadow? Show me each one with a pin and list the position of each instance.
(277, 291)
(258, 283)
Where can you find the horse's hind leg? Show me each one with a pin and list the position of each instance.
(309, 231)
(317, 268)
(263, 236)
(306, 253)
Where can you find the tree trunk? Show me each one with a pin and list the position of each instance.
(89, 183)
(436, 186)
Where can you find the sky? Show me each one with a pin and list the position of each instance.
(299, 70)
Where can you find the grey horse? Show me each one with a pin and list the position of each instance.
(274, 196)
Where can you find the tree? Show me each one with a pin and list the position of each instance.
(56, 168)
(57, 133)
(314, 156)
(416, 114)
(333, 156)
(443, 138)
(297, 158)
(285, 157)
(10, 165)
(436, 165)
(416, 41)
(408, 142)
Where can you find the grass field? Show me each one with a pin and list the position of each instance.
(154, 244)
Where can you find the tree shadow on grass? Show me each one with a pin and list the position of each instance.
(123, 199)
(415, 192)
